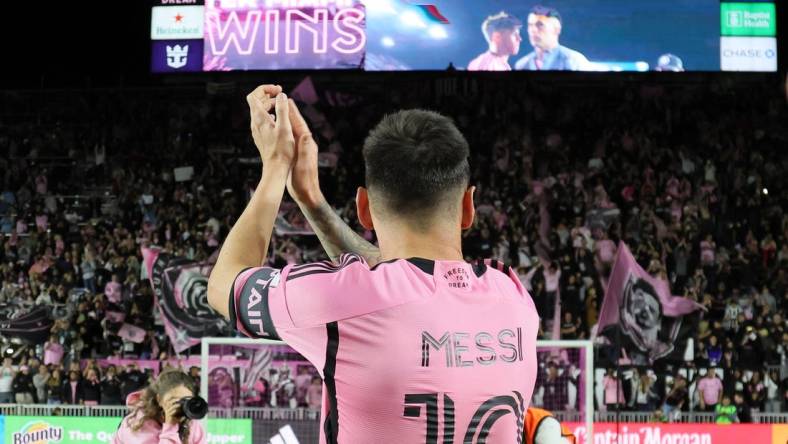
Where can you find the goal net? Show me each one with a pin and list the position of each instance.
(266, 382)
(564, 384)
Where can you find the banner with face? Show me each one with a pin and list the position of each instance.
(639, 314)
(180, 289)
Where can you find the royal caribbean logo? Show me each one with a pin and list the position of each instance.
(38, 432)
(177, 56)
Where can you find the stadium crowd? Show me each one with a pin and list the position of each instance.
(689, 176)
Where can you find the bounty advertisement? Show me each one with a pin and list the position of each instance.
(67, 430)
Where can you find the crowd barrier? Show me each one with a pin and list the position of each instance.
(46, 424)
(301, 414)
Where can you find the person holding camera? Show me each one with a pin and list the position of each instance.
(158, 413)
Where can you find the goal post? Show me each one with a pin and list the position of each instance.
(565, 384)
(205, 354)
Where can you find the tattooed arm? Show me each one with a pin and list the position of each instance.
(335, 235)
(303, 185)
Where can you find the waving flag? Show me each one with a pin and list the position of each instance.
(131, 333)
(639, 315)
(433, 13)
(30, 325)
(180, 289)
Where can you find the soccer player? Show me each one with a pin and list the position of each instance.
(544, 28)
(414, 344)
(502, 32)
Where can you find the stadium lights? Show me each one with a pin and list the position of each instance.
(380, 7)
(387, 41)
(765, 191)
(412, 19)
(438, 32)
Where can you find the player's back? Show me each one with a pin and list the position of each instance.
(414, 350)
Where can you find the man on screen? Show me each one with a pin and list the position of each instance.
(413, 344)
(544, 28)
(502, 32)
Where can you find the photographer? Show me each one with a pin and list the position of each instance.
(157, 413)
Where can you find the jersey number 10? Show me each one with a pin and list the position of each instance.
(477, 430)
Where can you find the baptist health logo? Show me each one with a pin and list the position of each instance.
(735, 18)
(177, 56)
(286, 435)
(38, 432)
(753, 20)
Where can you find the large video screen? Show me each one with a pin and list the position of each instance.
(493, 35)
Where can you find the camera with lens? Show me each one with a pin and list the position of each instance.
(193, 407)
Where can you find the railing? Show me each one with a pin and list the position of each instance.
(301, 414)
(686, 417)
(276, 414)
(567, 416)
(770, 418)
(61, 410)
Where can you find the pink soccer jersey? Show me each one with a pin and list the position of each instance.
(410, 351)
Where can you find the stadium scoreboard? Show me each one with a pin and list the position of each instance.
(390, 35)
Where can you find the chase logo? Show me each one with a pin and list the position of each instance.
(748, 54)
(38, 432)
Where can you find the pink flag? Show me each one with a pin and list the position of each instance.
(131, 333)
(53, 353)
(642, 307)
(179, 286)
(305, 92)
(116, 316)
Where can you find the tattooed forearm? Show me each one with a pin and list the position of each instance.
(336, 236)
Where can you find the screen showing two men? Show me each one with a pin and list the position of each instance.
(494, 35)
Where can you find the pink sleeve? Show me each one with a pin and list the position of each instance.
(266, 301)
(197, 434)
(169, 434)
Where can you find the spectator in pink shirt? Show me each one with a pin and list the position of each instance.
(614, 390)
(314, 393)
(605, 250)
(707, 251)
(709, 390)
(156, 414)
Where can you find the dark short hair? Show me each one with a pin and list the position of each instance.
(646, 287)
(547, 12)
(415, 160)
(502, 21)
